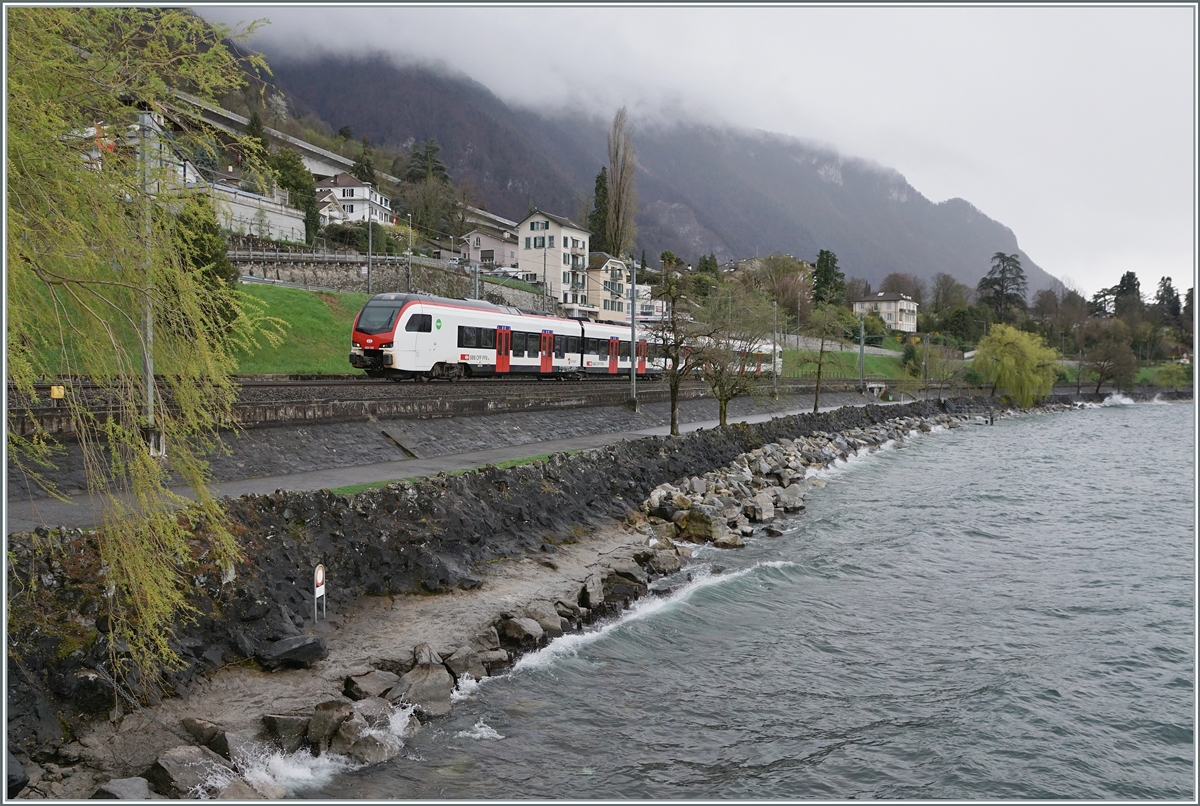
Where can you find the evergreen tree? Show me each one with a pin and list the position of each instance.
(1004, 286)
(829, 282)
(424, 165)
(1127, 299)
(294, 177)
(346, 133)
(257, 132)
(598, 218)
(1167, 301)
(364, 166)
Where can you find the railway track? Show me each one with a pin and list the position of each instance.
(274, 390)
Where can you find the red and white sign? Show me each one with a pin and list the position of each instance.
(319, 582)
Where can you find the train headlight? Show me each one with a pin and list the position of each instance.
(385, 346)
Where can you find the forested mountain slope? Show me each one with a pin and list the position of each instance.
(701, 188)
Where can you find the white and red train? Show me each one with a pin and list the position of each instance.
(405, 336)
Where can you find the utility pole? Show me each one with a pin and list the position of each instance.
(862, 351)
(545, 279)
(157, 443)
(925, 369)
(370, 232)
(633, 333)
(408, 284)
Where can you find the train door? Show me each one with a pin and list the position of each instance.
(641, 357)
(614, 347)
(547, 351)
(503, 347)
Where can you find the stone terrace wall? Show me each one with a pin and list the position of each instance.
(348, 274)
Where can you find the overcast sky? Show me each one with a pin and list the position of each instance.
(1073, 126)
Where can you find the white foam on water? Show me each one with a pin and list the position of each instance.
(465, 687)
(481, 730)
(400, 720)
(571, 644)
(1118, 399)
(295, 772)
(217, 779)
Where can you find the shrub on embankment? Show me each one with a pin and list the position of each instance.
(420, 537)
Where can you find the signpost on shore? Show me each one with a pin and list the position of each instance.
(319, 590)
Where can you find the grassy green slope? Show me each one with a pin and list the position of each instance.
(841, 365)
(318, 335)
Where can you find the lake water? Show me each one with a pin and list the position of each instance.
(997, 611)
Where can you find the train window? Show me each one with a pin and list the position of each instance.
(518, 345)
(560, 346)
(378, 317)
(572, 344)
(419, 323)
(592, 347)
(467, 336)
(603, 351)
(624, 351)
(487, 338)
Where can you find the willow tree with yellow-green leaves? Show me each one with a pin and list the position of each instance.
(106, 256)
(1018, 362)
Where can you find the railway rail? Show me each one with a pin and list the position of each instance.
(260, 388)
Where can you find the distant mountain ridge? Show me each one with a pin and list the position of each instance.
(701, 188)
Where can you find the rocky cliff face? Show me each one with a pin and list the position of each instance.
(702, 189)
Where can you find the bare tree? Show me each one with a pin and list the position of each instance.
(948, 293)
(622, 196)
(784, 279)
(943, 367)
(677, 334)
(739, 348)
(826, 326)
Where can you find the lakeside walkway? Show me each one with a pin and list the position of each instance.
(81, 511)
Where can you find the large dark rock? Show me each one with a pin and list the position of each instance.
(300, 650)
(189, 772)
(466, 661)
(522, 632)
(289, 731)
(427, 686)
(374, 683)
(123, 789)
(17, 779)
(326, 719)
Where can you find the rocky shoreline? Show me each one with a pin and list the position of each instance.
(516, 558)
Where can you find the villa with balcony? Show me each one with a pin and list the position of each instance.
(898, 311)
